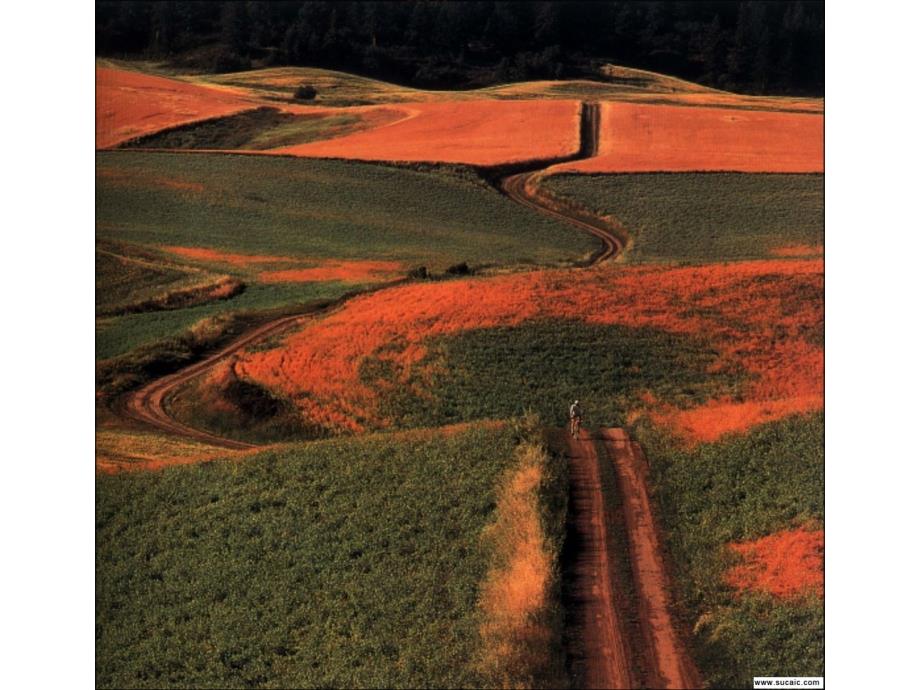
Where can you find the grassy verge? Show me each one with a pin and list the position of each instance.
(742, 488)
(338, 563)
(704, 216)
(322, 210)
(260, 129)
(520, 600)
(544, 365)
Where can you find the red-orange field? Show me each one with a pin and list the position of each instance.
(667, 138)
(131, 104)
(344, 271)
(799, 250)
(296, 270)
(786, 564)
(762, 316)
(485, 132)
(217, 256)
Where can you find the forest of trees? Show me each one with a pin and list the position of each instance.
(751, 46)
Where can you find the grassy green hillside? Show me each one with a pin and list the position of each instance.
(704, 217)
(122, 280)
(120, 334)
(543, 366)
(739, 489)
(299, 209)
(321, 209)
(339, 563)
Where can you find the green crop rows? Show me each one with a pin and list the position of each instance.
(740, 489)
(321, 209)
(339, 563)
(702, 217)
(543, 366)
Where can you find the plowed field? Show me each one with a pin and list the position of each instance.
(667, 138)
(484, 132)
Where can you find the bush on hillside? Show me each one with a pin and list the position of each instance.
(305, 92)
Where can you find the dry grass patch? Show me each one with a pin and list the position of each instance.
(521, 634)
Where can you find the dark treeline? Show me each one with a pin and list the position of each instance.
(754, 47)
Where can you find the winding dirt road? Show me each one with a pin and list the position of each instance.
(524, 188)
(146, 405)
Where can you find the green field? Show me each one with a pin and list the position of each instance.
(701, 217)
(121, 334)
(321, 209)
(334, 564)
(300, 209)
(131, 279)
(122, 280)
(543, 366)
(739, 489)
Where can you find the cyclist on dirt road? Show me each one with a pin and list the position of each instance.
(575, 415)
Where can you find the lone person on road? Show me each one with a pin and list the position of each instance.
(575, 415)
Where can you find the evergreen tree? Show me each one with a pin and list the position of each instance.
(234, 28)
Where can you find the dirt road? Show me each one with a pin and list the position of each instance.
(669, 665)
(524, 188)
(146, 405)
(596, 640)
(618, 629)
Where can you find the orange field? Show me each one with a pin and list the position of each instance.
(484, 132)
(649, 138)
(799, 250)
(762, 316)
(785, 564)
(216, 256)
(296, 270)
(131, 104)
(345, 271)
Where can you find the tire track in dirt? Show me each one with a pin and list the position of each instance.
(596, 643)
(670, 664)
